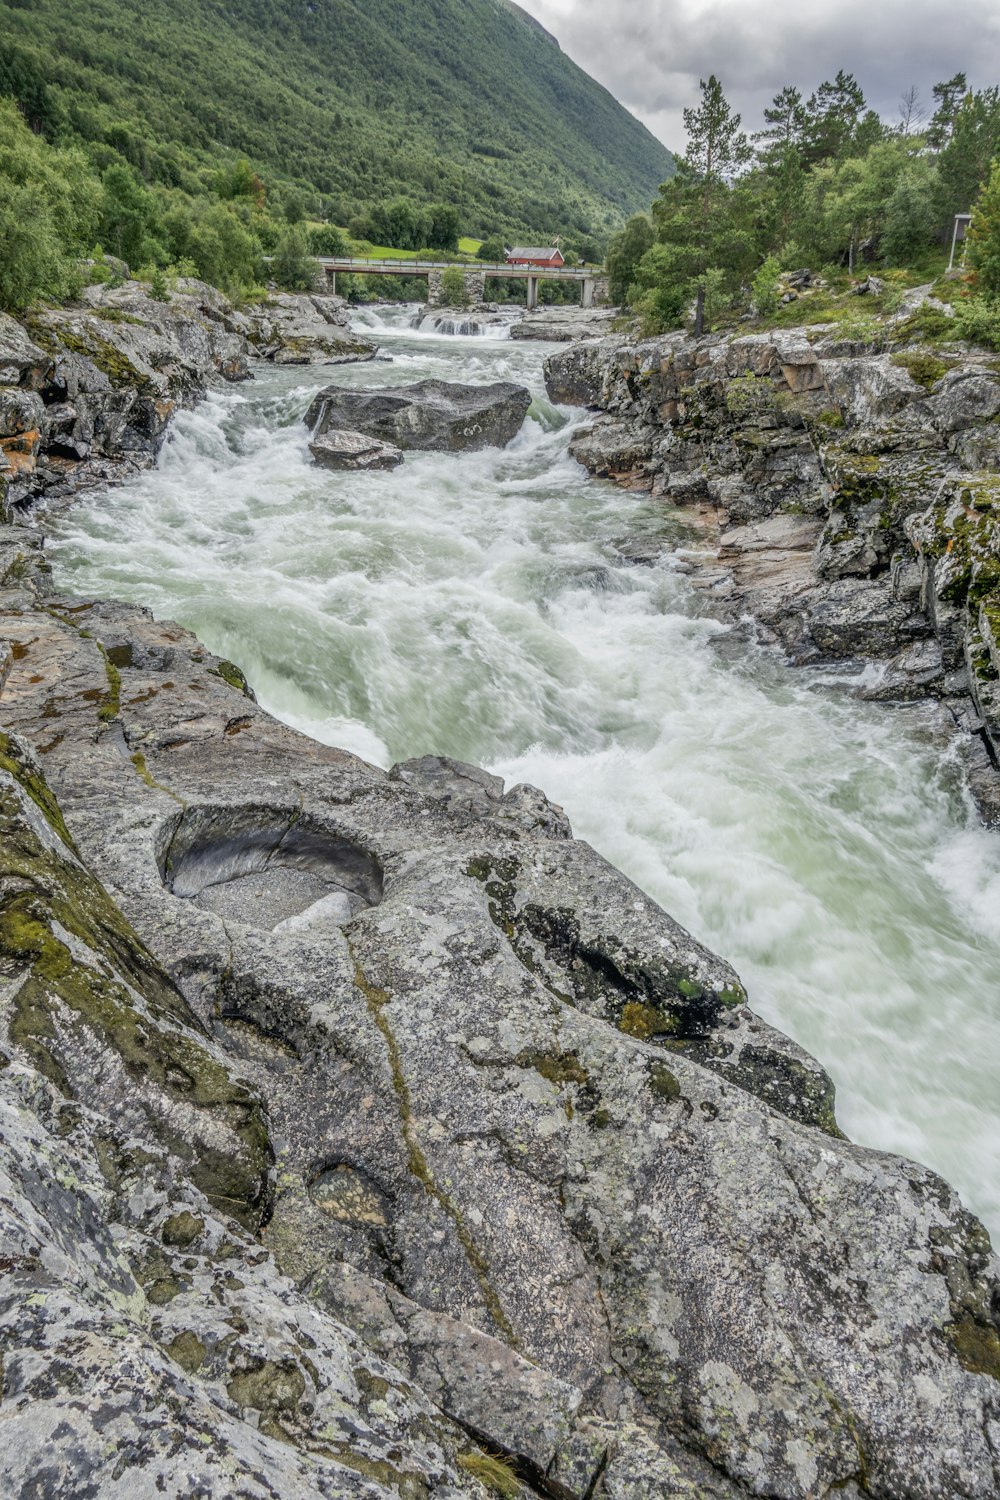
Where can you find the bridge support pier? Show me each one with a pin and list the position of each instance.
(587, 300)
(532, 293)
(331, 281)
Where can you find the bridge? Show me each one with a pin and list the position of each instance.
(592, 283)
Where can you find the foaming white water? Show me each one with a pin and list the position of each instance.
(476, 605)
(443, 323)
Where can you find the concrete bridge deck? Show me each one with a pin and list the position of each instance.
(474, 273)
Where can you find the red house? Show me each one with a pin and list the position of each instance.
(522, 256)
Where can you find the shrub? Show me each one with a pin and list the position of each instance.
(766, 298)
(978, 320)
(453, 293)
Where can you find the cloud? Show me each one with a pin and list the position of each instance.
(651, 53)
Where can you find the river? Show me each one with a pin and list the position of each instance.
(476, 605)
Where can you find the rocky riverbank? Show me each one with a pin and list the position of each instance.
(366, 1134)
(848, 495)
(87, 391)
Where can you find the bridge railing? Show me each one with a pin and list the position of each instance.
(384, 266)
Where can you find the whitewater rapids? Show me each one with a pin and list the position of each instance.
(476, 605)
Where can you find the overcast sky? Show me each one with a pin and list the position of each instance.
(651, 53)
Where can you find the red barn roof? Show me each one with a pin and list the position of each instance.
(533, 256)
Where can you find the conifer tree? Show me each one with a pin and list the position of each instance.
(983, 255)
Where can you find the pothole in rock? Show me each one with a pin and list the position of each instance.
(346, 1193)
(268, 869)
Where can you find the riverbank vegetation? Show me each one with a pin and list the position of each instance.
(192, 136)
(826, 184)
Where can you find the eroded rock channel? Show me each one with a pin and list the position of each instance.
(367, 1134)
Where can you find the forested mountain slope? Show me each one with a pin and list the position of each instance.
(465, 101)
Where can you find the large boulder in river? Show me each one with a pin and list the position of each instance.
(431, 414)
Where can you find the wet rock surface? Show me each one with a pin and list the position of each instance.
(364, 1133)
(826, 477)
(435, 414)
(338, 449)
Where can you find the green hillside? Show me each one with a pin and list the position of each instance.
(354, 101)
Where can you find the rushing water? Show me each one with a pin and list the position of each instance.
(476, 605)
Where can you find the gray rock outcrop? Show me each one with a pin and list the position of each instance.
(436, 414)
(307, 329)
(87, 391)
(562, 325)
(365, 1134)
(809, 463)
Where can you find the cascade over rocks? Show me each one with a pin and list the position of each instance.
(436, 414)
(834, 480)
(87, 391)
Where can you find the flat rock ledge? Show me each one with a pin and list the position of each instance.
(353, 450)
(564, 325)
(365, 1134)
(432, 414)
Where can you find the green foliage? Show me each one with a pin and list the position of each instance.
(766, 296)
(444, 227)
(831, 186)
(327, 239)
(624, 254)
(928, 324)
(966, 160)
(923, 367)
(977, 319)
(453, 293)
(983, 253)
(335, 107)
(127, 215)
(47, 215)
(492, 250)
(158, 289)
(704, 246)
(293, 267)
(910, 217)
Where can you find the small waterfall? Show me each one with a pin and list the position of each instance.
(476, 325)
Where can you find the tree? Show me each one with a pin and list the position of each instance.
(717, 150)
(787, 120)
(948, 97)
(292, 267)
(704, 250)
(492, 250)
(327, 239)
(835, 113)
(624, 254)
(911, 110)
(965, 162)
(983, 253)
(32, 262)
(910, 220)
(453, 292)
(445, 223)
(128, 212)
